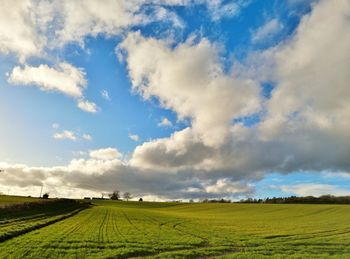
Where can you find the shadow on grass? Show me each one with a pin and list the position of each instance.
(44, 213)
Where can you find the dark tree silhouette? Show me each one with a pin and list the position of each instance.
(45, 195)
(115, 195)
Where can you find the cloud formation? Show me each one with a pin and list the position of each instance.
(40, 25)
(189, 79)
(134, 137)
(105, 154)
(64, 78)
(66, 134)
(165, 122)
(301, 127)
(314, 189)
(70, 135)
(22, 37)
(267, 31)
(104, 171)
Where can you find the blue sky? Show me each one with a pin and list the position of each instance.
(232, 81)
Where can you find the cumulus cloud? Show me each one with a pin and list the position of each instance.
(302, 127)
(189, 79)
(40, 25)
(64, 78)
(87, 106)
(18, 32)
(104, 171)
(165, 122)
(105, 154)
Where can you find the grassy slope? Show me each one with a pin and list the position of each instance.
(127, 229)
(20, 215)
(8, 200)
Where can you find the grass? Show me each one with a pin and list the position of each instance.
(111, 229)
(6, 200)
(19, 215)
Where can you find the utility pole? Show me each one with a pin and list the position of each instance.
(41, 190)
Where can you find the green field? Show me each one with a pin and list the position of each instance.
(9, 200)
(111, 229)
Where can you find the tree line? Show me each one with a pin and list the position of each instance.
(324, 199)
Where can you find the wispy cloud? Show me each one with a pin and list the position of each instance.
(134, 137)
(65, 134)
(87, 137)
(314, 189)
(267, 31)
(71, 135)
(105, 95)
(165, 122)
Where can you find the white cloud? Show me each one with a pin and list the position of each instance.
(91, 18)
(165, 122)
(104, 171)
(105, 154)
(267, 31)
(301, 131)
(64, 78)
(18, 33)
(71, 135)
(66, 134)
(87, 137)
(105, 95)
(303, 128)
(134, 137)
(226, 186)
(189, 79)
(87, 106)
(55, 125)
(30, 27)
(306, 66)
(314, 189)
(219, 9)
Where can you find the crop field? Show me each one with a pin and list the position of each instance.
(111, 229)
(8, 200)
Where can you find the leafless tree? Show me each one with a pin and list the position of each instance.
(127, 196)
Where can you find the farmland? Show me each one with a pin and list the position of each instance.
(111, 229)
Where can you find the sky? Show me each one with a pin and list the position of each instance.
(175, 99)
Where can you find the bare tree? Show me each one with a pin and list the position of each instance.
(127, 196)
(115, 195)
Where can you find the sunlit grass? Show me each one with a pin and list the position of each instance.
(112, 229)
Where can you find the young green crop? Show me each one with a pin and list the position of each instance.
(6, 200)
(112, 229)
